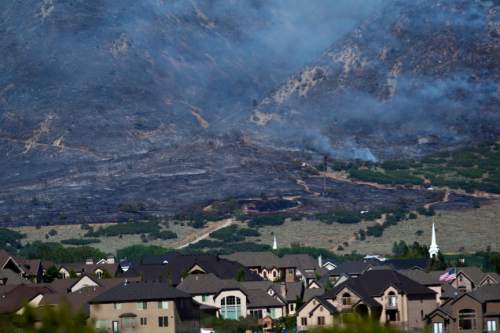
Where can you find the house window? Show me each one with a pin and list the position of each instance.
(346, 299)
(142, 305)
(292, 307)
(144, 321)
(303, 321)
(274, 274)
(231, 307)
(467, 319)
(163, 321)
(163, 305)
(204, 298)
(116, 327)
(393, 300)
(117, 306)
(437, 328)
(102, 324)
(273, 312)
(257, 314)
(491, 326)
(321, 321)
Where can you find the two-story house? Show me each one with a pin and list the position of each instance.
(231, 299)
(145, 307)
(476, 311)
(384, 295)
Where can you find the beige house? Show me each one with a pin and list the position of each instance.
(384, 295)
(477, 311)
(145, 307)
(231, 299)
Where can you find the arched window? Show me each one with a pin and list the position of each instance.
(467, 319)
(393, 299)
(231, 307)
(346, 299)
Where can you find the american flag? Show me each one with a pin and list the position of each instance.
(448, 276)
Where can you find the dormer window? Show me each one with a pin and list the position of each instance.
(346, 299)
(393, 299)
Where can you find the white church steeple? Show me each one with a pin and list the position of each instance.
(275, 243)
(434, 248)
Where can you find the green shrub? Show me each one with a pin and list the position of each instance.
(80, 241)
(260, 221)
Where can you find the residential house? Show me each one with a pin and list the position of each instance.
(475, 311)
(384, 295)
(232, 299)
(100, 269)
(31, 269)
(470, 278)
(318, 311)
(174, 267)
(145, 307)
(290, 293)
(346, 270)
(15, 297)
(289, 268)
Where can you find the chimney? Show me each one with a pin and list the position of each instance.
(283, 289)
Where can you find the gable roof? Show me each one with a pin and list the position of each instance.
(200, 284)
(398, 264)
(172, 266)
(260, 299)
(256, 259)
(488, 293)
(8, 277)
(350, 268)
(140, 291)
(426, 278)
(15, 298)
(374, 283)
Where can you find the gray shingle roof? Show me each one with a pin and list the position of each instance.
(200, 284)
(487, 293)
(260, 299)
(140, 291)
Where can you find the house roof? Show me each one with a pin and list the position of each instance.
(373, 283)
(300, 261)
(8, 277)
(257, 259)
(140, 291)
(474, 273)
(350, 268)
(488, 293)
(426, 278)
(200, 284)
(293, 289)
(30, 266)
(172, 266)
(15, 298)
(260, 299)
(78, 301)
(82, 267)
(310, 293)
(398, 264)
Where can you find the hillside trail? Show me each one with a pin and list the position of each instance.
(204, 233)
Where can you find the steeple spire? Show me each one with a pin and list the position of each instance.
(275, 243)
(434, 248)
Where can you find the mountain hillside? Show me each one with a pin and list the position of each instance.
(421, 76)
(157, 103)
